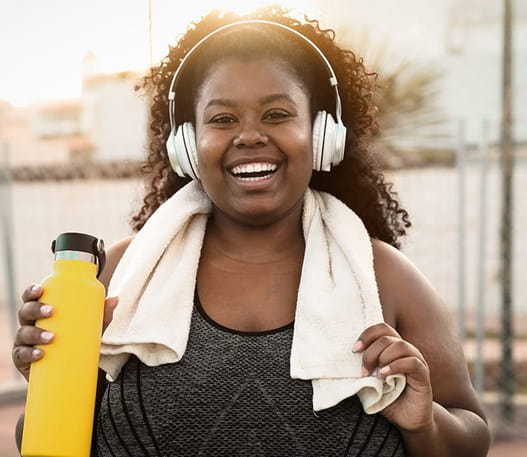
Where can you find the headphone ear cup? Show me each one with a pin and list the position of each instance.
(182, 151)
(318, 139)
(171, 150)
(340, 142)
(329, 142)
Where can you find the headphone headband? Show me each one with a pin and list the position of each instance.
(329, 137)
(332, 78)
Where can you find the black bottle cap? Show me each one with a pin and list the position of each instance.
(71, 241)
(76, 242)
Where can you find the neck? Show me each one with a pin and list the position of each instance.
(263, 244)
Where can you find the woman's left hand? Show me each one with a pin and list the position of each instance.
(384, 349)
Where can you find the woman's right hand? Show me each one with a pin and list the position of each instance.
(24, 352)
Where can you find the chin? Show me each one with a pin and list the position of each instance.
(262, 213)
(258, 217)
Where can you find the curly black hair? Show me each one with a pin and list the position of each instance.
(358, 181)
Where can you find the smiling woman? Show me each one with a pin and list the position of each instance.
(264, 282)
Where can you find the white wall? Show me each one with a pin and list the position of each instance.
(115, 118)
(461, 37)
(472, 85)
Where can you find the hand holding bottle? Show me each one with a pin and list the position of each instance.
(28, 335)
(62, 386)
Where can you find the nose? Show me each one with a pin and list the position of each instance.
(250, 137)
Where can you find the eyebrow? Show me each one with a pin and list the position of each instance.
(220, 102)
(276, 97)
(263, 100)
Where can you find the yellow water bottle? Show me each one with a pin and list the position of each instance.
(62, 385)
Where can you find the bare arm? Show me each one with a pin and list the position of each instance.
(451, 421)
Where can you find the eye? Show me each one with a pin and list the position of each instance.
(223, 119)
(276, 115)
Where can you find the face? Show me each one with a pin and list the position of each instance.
(254, 139)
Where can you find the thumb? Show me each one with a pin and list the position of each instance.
(109, 307)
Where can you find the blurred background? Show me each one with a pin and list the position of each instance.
(453, 110)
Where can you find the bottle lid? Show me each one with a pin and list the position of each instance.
(71, 241)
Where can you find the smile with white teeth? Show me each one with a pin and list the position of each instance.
(257, 171)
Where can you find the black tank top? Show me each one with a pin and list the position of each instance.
(231, 395)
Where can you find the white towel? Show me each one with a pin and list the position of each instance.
(337, 298)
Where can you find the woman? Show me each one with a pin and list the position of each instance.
(248, 100)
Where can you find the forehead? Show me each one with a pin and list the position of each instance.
(236, 75)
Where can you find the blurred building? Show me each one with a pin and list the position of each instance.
(107, 122)
(32, 134)
(112, 114)
(463, 39)
(472, 86)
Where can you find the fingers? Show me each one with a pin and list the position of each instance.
(31, 309)
(382, 347)
(24, 356)
(23, 353)
(29, 335)
(405, 365)
(385, 350)
(373, 332)
(32, 292)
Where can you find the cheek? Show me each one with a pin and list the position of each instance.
(207, 151)
(303, 144)
(305, 136)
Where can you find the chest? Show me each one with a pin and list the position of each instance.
(252, 298)
(231, 394)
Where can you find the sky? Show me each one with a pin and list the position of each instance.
(43, 42)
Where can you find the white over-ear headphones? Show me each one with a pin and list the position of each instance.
(329, 136)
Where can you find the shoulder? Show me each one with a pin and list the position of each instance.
(405, 293)
(413, 307)
(113, 256)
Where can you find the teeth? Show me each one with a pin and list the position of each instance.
(259, 178)
(254, 168)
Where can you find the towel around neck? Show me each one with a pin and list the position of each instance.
(337, 298)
